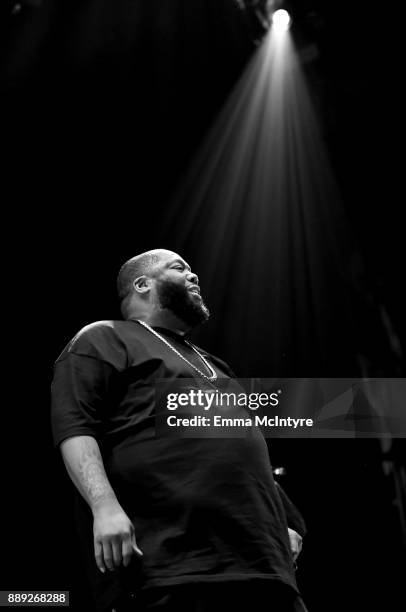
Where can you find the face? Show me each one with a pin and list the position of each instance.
(177, 290)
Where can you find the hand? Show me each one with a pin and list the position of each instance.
(114, 537)
(295, 543)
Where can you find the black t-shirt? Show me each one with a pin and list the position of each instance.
(203, 509)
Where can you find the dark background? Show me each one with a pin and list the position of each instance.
(102, 106)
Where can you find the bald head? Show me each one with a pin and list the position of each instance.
(135, 267)
(159, 288)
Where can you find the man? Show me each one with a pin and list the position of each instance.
(165, 524)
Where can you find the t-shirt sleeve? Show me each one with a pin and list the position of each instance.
(79, 394)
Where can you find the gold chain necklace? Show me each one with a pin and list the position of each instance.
(211, 378)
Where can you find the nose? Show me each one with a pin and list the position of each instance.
(193, 278)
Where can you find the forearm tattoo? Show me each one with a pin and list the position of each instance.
(93, 477)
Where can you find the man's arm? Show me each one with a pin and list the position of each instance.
(296, 542)
(296, 524)
(294, 517)
(114, 537)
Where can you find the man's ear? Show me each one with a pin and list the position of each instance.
(141, 284)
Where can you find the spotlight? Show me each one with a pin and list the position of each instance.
(281, 20)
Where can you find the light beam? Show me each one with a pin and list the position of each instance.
(261, 217)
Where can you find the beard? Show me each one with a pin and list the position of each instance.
(176, 298)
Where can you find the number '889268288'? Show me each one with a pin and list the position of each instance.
(26, 598)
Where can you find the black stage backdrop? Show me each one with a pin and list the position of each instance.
(103, 105)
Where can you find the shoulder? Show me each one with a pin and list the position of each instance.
(100, 339)
(94, 332)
